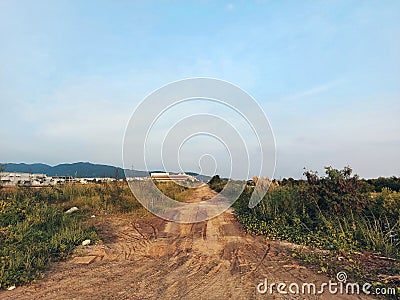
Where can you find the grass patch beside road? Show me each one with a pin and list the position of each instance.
(34, 232)
(34, 229)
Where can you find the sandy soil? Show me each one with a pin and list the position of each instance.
(154, 259)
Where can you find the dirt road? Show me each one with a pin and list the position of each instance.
(154, 259)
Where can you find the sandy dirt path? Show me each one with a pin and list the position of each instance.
(154, 259)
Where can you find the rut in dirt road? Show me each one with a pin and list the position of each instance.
(150, 258)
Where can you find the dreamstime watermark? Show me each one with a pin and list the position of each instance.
(198, 112)
(339, 287)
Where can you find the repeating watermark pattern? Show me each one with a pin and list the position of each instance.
(339, 287)
(341, 276)
(154, 134)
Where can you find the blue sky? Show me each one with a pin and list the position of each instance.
(327, 74)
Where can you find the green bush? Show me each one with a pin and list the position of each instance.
(217, 184)
(335, 212)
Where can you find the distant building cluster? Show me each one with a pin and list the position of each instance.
(8, 179)
(15, 178)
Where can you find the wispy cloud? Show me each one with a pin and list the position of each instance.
(314, 91)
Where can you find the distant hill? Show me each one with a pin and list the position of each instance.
(82, 169)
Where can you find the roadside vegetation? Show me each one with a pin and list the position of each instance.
(34, 228)
(353, 224)
(175, 191)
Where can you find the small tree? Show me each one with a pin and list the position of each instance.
(216, 183)
(337, 192)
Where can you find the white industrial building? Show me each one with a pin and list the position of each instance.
(15, 178)
(171, 177)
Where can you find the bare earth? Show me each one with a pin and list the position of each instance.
(153, 259)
